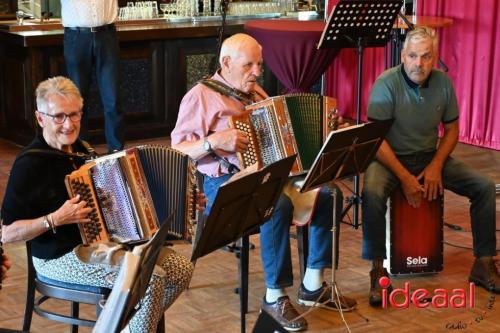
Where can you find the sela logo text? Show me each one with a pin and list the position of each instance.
(422, 298)
(416, 262)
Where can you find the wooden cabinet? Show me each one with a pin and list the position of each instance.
(159, 63)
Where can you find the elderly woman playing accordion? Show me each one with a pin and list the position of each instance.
(37, 208)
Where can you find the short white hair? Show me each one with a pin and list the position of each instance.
(58, 85)
(420, 34)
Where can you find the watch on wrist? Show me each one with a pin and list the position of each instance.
(206, 145)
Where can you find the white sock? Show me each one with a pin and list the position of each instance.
(313, 279)
(272, 295)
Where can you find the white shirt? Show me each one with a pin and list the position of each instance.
(88, 13)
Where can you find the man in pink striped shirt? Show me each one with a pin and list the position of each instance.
(202, 131)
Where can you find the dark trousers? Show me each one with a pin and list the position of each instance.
(82, 50)
(379, 182)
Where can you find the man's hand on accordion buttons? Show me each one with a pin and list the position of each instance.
(337, 121)
(73, 210)
(230, 140)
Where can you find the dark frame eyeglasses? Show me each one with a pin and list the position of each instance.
(60, 118)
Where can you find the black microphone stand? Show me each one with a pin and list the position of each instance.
(224, 5)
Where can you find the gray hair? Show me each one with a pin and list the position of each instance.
(58, 85)
(422, 33)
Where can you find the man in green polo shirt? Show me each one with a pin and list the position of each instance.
(419, 98)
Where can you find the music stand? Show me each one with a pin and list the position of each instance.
(359, 24)
(132, 282)
(242, 204)
(345, 153)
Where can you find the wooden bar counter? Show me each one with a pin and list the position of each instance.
(159, 62)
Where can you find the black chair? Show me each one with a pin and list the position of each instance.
(302, 236)
(74, 293)
(48, 288)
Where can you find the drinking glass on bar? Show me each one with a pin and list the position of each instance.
(414, 12)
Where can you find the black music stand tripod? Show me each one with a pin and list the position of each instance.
(241, 205)
(345, 153)
(359, 24)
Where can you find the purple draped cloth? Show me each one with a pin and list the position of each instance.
(289, 49)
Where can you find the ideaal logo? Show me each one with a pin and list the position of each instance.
(439, 298)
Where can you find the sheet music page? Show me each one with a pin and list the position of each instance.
(109, 319)
(350, 127)
(248, 170)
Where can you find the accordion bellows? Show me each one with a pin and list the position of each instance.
(285, 125)
(133, 191)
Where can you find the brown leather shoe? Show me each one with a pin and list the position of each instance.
(283, 311)
(485, 274)
(375, 296)
(322, 298)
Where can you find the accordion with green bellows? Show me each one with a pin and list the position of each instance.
(285, 125)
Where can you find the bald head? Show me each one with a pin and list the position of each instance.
(237, 44)
(240, 61)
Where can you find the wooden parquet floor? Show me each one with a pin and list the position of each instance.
(211, 306)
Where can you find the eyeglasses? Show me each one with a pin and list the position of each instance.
(60, 118)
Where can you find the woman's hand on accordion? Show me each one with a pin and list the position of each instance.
(230, 140)
(6, 264)
(73, 210)
(201, 201)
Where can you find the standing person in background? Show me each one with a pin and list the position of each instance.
(90, 39)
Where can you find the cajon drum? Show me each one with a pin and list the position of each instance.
(414, 236)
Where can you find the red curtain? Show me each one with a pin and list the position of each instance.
(468, 48)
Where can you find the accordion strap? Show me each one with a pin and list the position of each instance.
(231, 168)
(53, 152)
(226, 90)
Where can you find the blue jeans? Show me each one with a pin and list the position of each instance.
(275, 234)
(379, 182)
(81, 51)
